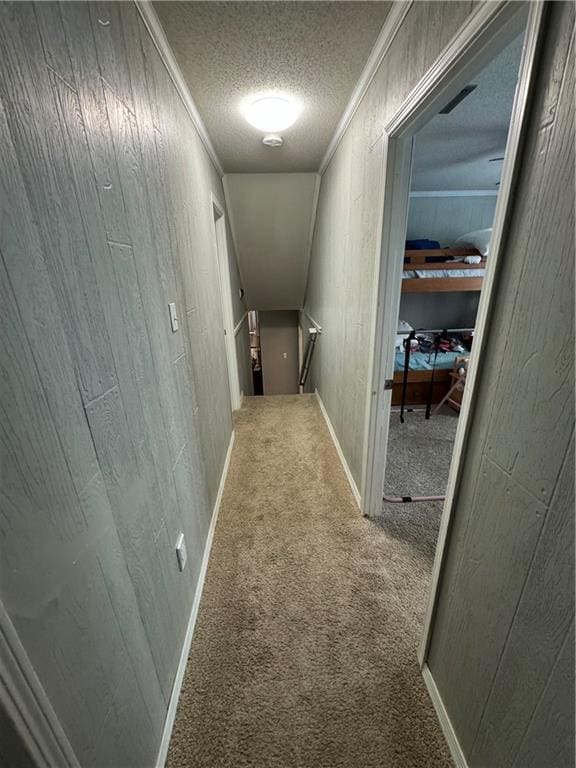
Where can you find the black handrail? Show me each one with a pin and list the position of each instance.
(308, 356)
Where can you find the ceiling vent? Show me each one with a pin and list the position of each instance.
(457, 99)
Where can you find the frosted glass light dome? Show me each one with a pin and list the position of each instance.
(271, 114)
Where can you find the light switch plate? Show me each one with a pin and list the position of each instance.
(181, 553)
(173, 317)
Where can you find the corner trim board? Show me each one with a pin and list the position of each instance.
(310, 242)
(240, 323)
(179, 679)
(314, 323)
(339, 451)
(444, 720)
(156, 32)
(392, 24)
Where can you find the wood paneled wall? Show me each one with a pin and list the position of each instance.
(114, 430)
(342, 267)
(502, 651)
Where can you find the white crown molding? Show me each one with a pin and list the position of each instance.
(152, 22)
(456, 193)
(391, 25)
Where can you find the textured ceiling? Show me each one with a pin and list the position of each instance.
(453, 151)
(313, 51)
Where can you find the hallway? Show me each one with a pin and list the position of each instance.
(195, 192)
(304, 653)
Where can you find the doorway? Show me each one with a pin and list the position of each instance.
(457, 161)
(494, 28)
(279, 351)
(255, 352)
(221, 250)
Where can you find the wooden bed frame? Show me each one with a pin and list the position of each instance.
(440, 259)
(418, 385)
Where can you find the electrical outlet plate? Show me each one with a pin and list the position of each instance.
(181, 553)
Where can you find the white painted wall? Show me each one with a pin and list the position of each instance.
(279, 352)
(446, 218)
(272, 218)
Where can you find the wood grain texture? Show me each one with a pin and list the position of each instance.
(27, 92)
(524, 421)
(114, 430)
(342, 268)
(510, 707)
(549, 739)
(506, 599)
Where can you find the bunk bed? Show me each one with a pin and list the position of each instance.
(438, 270)
(441, 270)
(418, 381)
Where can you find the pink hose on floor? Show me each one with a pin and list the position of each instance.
(408, 499)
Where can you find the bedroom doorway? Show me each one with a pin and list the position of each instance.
(410, 277)
(457, 162)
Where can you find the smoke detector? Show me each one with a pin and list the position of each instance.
(272, 140)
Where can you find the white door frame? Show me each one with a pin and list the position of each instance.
(221, 252)
(26, 704)
(486, 33)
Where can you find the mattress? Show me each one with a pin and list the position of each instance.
(426, 273)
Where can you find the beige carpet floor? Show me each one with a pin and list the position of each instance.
(304, 653)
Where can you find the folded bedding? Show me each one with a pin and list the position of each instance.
(424, 273)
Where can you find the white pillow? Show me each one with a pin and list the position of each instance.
(479, 239)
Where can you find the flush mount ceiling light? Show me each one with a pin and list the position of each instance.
(271, 113)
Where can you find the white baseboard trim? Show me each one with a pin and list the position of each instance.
(353, 486)
(175, 696)
(445, 724)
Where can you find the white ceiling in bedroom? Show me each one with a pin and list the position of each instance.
(455, 151)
